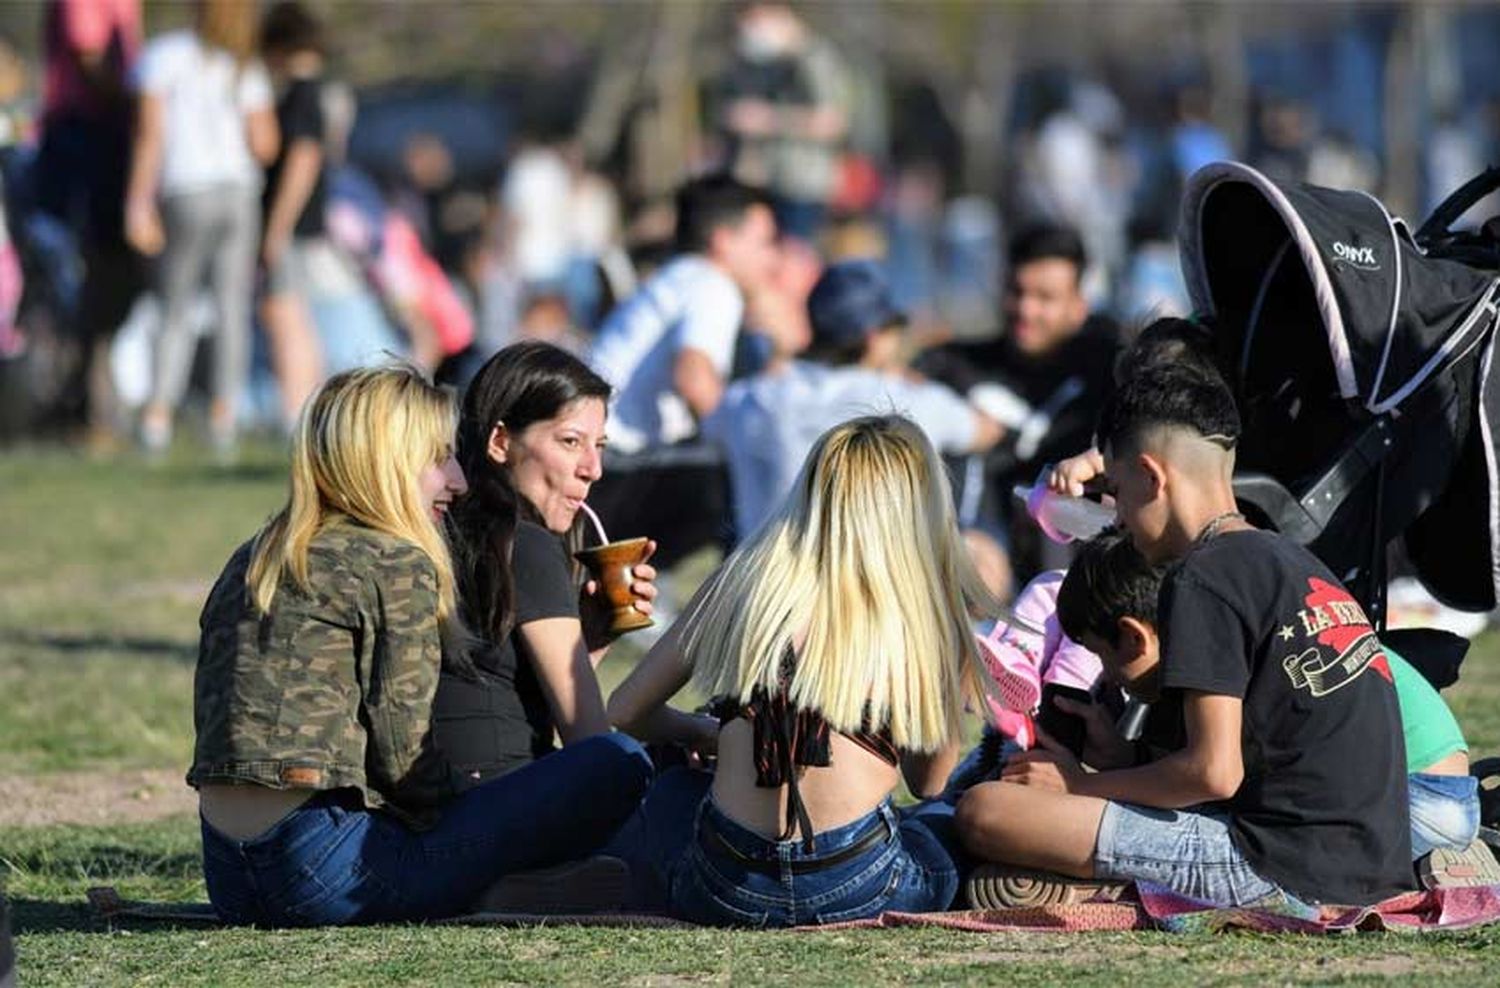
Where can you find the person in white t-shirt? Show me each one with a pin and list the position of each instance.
(207, 126)
(537, 194)
(767, 423)
(667, 350)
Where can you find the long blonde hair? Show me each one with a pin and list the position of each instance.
(231, 25)
(362, 442)
(863, 564)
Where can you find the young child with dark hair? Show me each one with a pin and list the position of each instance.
(1291, 778)
(1107, 603)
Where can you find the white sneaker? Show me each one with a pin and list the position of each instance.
(156, 435)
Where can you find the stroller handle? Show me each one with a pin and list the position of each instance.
(1439, 224)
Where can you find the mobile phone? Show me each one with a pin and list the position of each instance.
(1066, 729)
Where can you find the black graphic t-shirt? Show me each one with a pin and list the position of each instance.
(1322, 810)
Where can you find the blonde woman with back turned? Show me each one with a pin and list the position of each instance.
(323, 800)
(837, 647)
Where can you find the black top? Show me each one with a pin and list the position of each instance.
(1322, 810)
(299, 114)
(1163, 732)
(1061, 396)
(502, 721)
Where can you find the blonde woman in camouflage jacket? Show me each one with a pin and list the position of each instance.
(319, 786)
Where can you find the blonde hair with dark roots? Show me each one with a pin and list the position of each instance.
(362, 442)
(863, 565)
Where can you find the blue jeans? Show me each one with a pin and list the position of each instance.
(1188, 851)
(1444, 811)
(732, 876)
(979, 765)
(331, 861)
(658, 833)
(696, 861)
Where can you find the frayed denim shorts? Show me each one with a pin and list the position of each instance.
(1188, 851)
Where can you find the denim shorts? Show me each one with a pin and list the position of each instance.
(1444, 811)
(732, 876)
(1187, 851)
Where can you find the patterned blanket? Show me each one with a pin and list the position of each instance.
(1156, 909)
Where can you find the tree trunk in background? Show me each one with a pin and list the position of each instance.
(618, 85)
(1222, 41)
(647, 83)
(986, 100)
(666, 134)
(1404, 103)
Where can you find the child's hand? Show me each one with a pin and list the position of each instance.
(1049, 766)
(1103, 747)
(1069, 476)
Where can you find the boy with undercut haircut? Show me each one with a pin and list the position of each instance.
(1291, 777)
(1108, 604)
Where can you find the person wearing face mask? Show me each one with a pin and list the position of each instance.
(782, 113)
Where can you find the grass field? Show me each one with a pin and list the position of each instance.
(102, 569)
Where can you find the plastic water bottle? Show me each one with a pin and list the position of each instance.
(1063, 518)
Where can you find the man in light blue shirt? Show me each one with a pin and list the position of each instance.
(768, 423)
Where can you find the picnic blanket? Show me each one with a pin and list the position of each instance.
(1155, 909)
(1160, 909)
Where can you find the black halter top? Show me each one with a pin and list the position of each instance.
(787, 737)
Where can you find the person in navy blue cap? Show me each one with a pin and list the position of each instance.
(854, 321)
(767, 423)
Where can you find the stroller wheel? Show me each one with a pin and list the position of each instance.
(1487, 771)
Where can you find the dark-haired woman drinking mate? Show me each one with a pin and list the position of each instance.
(530, 439)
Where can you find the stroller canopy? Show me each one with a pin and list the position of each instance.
(1362, 362)
(1254, 251)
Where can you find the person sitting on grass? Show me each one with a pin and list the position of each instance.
(323, 799)
(768, 422)
(837, 644)
(1291, 776)
(1108, 603)
(531, 439)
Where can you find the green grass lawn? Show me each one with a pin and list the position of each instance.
(102, 571)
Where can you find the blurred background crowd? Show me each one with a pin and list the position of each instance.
(312, 185)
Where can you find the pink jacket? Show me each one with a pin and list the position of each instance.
(1034, 635)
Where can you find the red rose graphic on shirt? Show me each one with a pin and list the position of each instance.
(1336, 622)
(1335, 601)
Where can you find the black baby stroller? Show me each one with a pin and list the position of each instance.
(1363, 356)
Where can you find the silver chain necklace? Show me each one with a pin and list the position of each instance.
(1214, 524)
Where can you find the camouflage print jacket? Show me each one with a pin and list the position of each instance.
(334, 687)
